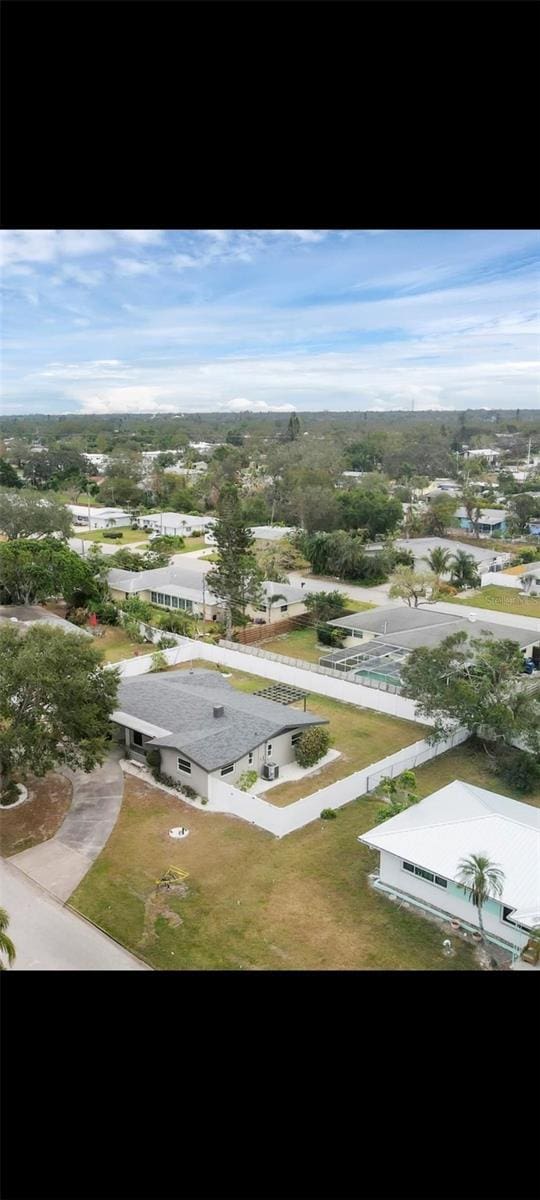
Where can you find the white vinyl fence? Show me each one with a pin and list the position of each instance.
(224, 797)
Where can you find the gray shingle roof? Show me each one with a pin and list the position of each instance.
(184, 703)
(179, 581)
(30, 614)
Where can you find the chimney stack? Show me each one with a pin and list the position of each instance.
(219, 710)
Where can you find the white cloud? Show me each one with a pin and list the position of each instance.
(128, 400)
(101, 368)
(133, 266)
(142, 237)
(240, 405)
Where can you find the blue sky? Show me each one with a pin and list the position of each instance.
(103, 321)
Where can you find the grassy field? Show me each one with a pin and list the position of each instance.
(116, 645)
(128, 535)
(300, 643)
(251, 901)
(501, 599)
(39, 818)
(361, 734)
(191, 543)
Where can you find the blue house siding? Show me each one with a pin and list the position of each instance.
(498, 527)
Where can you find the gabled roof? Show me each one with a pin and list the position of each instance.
(183, 703)
(180, 581)
(460, 820)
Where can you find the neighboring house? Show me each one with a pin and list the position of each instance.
(29, 614)
(83, 513)
(526, 578)
(261, 533)
(178, 587)
(377, 643)
(176, 524)
(420, 850)
(492, 520)
(99, 461)
(490, 456)
(109, 518)
(534, 527)
(421, 547)
(203, 727)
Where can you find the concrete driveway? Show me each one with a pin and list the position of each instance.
(48, 937)
(59, 864)
(373, 595)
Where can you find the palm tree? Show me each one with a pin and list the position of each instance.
(464, 573)
(271, 599)
(6, 944)
(480, 878)
(438, 561)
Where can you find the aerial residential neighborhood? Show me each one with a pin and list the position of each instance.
(270, 624)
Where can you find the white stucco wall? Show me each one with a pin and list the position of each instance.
(449, 900)
(282, 752)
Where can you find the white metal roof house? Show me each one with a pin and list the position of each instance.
(525, 578)
(176, 524)
(109, 518)
(202, 726)
(420, 850)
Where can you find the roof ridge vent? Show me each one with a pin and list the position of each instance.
(219, 710)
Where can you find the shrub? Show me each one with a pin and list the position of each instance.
(135, 607)
(153, 759)
(114, 534)
(106, 612)
(166, 643)
(132, 629)
(520, 770)
(159, 662)
(247, 780)
(167, 780)
(328, 814)
(445, 589)
(330, 637)
(188, 791)
(204, 800)
(9, 794)
(312, 745)
(176, 622)
(78, 616)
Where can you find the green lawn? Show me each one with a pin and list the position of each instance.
(300, 643)
(251, 901)
(128, 535)
(116, 644)
(191, 543)
(362, 735)
(501, 599)
(470, 764)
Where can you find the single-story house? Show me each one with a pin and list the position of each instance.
(490, 455)
(525, 578)
(203, 727)
(437, 486)
(422, 546)
(534, 527)
(178, 587)
(492, 520)
(420, 850)
(30, 614)
(261, 533)
(109, 518)
(377, 643)
(176, 524)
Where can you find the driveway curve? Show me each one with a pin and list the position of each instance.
(59, 864)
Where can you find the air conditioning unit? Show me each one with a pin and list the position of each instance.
(270, 770)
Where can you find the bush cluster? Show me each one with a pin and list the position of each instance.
(114, 535)
(312, 745)
(247, 780)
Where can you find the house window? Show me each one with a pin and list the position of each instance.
(153, 597)
(184, 765)
(269, 750)
(227, 770)
(296, 738)
(508, 920)
(283, 607)
(250, 758)
(136, 737)
(431, 878)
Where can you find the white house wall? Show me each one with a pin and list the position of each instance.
(450, 899)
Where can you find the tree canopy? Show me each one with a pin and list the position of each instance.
(25, 513)
(55, 701)
(34, 571)
(237, 577)
(477, 684)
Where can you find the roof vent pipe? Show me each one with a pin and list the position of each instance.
(219, 710)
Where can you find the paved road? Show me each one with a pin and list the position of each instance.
(60, 863)
(48, 937)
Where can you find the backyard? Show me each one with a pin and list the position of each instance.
(360, 734)
(501, 599)
(116, 644)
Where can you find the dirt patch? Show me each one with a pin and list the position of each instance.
(156, 906)
(39, 818)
